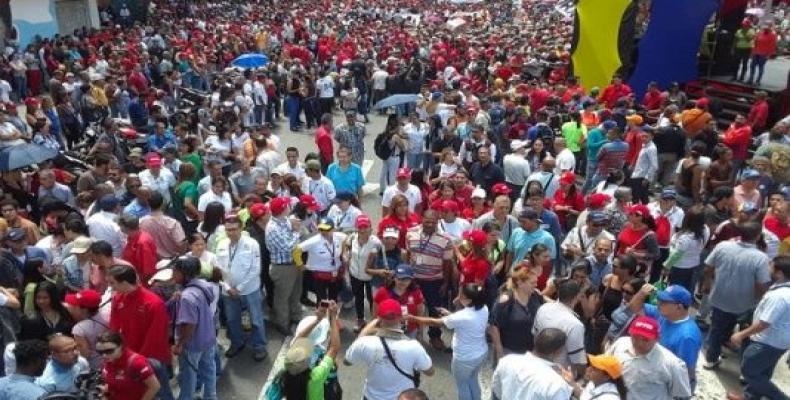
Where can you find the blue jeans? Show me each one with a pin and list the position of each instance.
(433, 299)
(466, 377)
(757, 367)
(293, 110)
(163, 376)
(758, 64)
(233, 307)
(721, 325)
(418, 160)
(588, 181)
(20, 87)
(197, 366)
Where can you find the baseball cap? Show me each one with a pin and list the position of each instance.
(607, 363)
(404, 271)
(108, 202)
(279, 204)
(136, 152)
(86, 298)
(750, 174)
(597, 217)
(310, 202)
(391, 231)
(297, 359)
(154, 161)
(164, 272)
(639, 209)
(344, 196)
(389, 309)
(635, 119)
(363, 222)
(450, 206)
(476, 237)
(517, 144)
(326, 224)
(567, 178)
(644, 327)
(703, 102)
(675, 294)
(478, 193)
(529, 213)
(258, 210)
(404, 173)
(501, 188)
(81, 245)
(607, 125)
(748, 207)
(598, 200)
(669, 193)
(314, 165)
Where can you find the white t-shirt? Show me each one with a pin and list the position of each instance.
(455, 229)
(323, 255)
(469, 332)
(358, 256)
(691, 247)
(345, 221)
(5, 90)
(412, 194)
(326, 87)
(383, 381)
(565, 161)
(210, 196)
(380, 79)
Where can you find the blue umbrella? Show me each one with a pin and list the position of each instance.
(250, 60)
(396, 100)
(22, 155)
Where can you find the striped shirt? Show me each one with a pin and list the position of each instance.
(611, 157)
(428, 253)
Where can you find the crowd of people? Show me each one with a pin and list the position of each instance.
(580, 240)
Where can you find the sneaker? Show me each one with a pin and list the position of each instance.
(233, 351)
(259, 355)
(711, 365)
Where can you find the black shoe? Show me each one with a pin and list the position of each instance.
(259, 355)
(233, 351)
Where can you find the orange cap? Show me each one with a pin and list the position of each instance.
(606, 363)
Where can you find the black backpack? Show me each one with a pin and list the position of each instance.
(381, 146)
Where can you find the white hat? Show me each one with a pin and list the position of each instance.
(163, 272)
(319, 334)
(517, 144)
(479, 193)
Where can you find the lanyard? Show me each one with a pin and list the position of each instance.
(233, 250)
(331, 249)
(424, 243)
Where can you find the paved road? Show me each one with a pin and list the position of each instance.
(243, 378)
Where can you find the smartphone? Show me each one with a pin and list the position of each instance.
(324, 304)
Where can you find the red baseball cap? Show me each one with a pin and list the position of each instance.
(258, 210)
(644, 327)
(310, 202)
(476, 236)
(389, 309)
(87, 298)
(639, 209)
(598, 200)
(450, 206)
(567, 178)
(363, 222)
(501, 188)
(279, 204)
(404, 173)
(154, 161)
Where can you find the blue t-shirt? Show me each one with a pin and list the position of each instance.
(595, 139)
(521, 243)
(682, 338)
(350, 180)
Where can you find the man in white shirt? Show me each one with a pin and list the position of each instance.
(323, 259)
(450, 223)
(259, 99)
(292, 165)
(645, 168)
(533, 375)
(388, 367)
(319, 186)
(642, 357)
(326, 93)
(239, 258)
(516, 167)
(565, 160)
(158, 178)
(417, 131)
(379, 78)
(560, 315)
(103, 225)
(403, 186)
(580, 241)
(5, 91)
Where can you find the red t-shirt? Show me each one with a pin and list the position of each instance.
(634, 146)
(140, 251)
(629, 237)
(142, 320)
(778, 228)
(474, 269)
(124, 377)
(412, 299)
(403, 225)
(324, 142)
(469, 213)
(560, 199)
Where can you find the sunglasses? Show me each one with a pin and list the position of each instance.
(106, 352)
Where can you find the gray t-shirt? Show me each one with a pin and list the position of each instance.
(739, 266)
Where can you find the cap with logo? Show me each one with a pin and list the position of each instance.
(86, 298)
(675, 294)
(644, 327)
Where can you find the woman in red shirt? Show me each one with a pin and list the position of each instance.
(638, 237)
(568, 201)
(399, 216)
(478, 207)
(405, 291)
(538, 261)
(474, 266)
(128, 375)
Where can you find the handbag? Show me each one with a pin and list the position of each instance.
(414, 378)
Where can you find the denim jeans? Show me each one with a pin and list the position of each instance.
(233, 307)
(758, 64)
(389, 168)
(194, 367)
(590, 175)
(466, 377)
(163, 376)
(293, 110)
(20, 87)
(417, 160)
(721, 325)
(433, 299)
(757, 366)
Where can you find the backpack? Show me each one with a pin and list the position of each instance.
(663, 230)
(381, 147)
